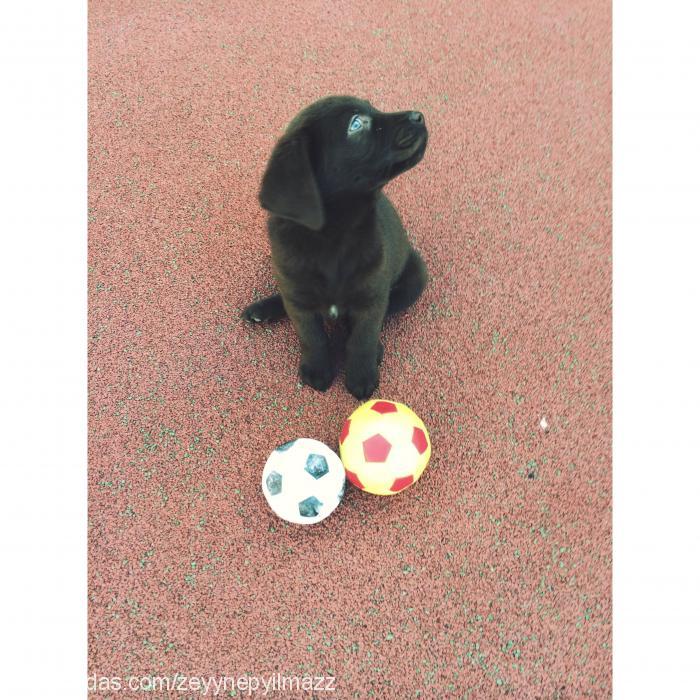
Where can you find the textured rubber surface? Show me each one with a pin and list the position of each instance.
(491, 576)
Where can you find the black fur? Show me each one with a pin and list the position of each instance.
(338, 246)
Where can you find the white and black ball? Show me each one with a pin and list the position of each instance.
(303, 481)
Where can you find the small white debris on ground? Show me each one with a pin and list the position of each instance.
(543, 423)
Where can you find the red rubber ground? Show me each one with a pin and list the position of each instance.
(489, 577)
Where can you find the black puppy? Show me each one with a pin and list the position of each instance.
(339, 249)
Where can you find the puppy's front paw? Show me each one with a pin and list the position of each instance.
(317, 374)
(269, 309)
(362, 382)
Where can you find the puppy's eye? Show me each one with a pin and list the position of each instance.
(356, 124)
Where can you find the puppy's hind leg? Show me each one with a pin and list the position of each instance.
(268, 309)
(410, 284)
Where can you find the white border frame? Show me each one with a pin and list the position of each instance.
(656, 226)
(43, 54)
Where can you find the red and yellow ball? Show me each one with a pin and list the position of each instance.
(384, 447)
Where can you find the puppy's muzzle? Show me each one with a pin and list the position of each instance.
(410, 131)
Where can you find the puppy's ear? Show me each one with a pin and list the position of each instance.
(289, 186)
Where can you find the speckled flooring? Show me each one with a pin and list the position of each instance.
(492, 575)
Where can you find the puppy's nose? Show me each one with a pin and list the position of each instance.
(416, 117)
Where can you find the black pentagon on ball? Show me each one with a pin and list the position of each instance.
(316, 465)
(274, 483)
(285, 446)
(309, 507)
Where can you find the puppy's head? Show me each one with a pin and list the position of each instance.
(337, 147)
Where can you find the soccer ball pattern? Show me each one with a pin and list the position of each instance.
(303, 481)
(384, 446)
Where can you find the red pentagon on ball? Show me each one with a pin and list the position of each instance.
(376, 448)
(401, 483)
(384, 407)
(354, 479)
(344, 432)
(419, 440)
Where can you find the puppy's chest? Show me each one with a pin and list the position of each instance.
(341, 272)
(342, 277)
(339, 277)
